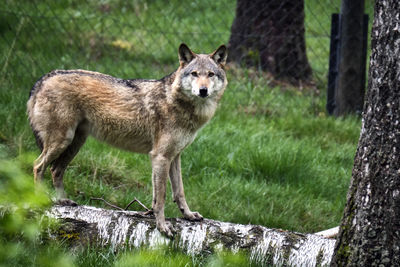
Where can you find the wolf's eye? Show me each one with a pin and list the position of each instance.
(194, 74)
(211, 74)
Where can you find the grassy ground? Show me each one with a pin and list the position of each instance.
(270, 156)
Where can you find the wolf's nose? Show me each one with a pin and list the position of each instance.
(203, 92)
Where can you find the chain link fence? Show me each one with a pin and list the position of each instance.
(132, 38)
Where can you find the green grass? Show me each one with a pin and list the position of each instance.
(270, 156)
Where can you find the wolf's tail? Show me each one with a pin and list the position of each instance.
(31, 105)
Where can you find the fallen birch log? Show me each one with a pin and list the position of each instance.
(329, 233)
(129, 228)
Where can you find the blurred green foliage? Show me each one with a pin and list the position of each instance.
(22, 222)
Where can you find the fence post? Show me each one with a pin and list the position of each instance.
(333, 62)
(349, 91)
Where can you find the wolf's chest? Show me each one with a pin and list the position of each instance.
(182, 139)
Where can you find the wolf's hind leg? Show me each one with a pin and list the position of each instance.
(39, 167)
(52, 148)
(178, 192)
(60, 164)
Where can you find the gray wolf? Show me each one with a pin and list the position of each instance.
(158, 117)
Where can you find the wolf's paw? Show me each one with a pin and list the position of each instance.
(166, 228)
(65, 202)
(193, 216)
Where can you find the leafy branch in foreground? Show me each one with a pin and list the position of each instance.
(22, 221)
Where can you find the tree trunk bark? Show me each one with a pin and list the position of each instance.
(270, 35)
(370, 231)
(128, 228)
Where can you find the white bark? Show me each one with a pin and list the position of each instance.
(263, 245)
(329, 233)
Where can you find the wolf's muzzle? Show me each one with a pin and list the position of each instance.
(203, 91)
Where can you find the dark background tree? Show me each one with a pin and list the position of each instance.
(270, 35)
(370, 230)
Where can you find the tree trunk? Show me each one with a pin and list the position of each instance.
(349, 94)
(264, 246)
(370, 231)
(270, 35)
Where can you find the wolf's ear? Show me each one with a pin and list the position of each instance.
(185, 54)
(220, 55)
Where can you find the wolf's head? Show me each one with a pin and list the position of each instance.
(202, 76)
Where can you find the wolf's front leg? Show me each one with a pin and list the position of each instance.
(160, 165)
(178, 192)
